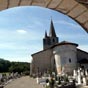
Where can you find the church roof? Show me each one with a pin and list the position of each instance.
(58, 44)
(82, 51)
(52, 30)
(64, 43)
(83, 61)
(40, 51)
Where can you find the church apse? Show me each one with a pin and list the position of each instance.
(65, 58)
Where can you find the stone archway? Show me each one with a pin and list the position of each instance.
(76, 9)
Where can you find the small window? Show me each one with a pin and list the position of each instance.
(54, 61)
(69, 60)
(53, 40)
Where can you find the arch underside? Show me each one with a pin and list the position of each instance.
(76, 9)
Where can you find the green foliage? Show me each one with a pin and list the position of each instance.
(4, 65)
(19, 67)
(7, 66)
(47, 87)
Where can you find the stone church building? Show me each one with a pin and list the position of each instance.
(58, 56)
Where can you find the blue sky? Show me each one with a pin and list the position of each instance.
(22, 30)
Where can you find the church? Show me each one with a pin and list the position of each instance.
(59, 57)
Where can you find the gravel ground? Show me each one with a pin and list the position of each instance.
(24, 82)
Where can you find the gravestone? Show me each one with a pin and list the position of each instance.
(0, 76)
(86, 73)
(74, 74)
(79, 77)
(84, 81)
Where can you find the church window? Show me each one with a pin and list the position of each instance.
(54, 61)
(69, 60)
(53, 40)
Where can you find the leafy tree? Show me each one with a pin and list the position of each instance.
(19, 67)
(4, 65)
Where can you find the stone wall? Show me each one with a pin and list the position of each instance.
(41, 61)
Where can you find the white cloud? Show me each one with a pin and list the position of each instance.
(21, 31)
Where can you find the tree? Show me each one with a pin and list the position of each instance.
(7, 66)
(4, 65)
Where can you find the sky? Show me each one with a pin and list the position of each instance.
(22, 30)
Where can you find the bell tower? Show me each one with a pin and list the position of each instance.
(50, 40)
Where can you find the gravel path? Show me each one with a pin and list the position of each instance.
(24, 82)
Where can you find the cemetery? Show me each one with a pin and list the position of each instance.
(6, 78)
(79, 79)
